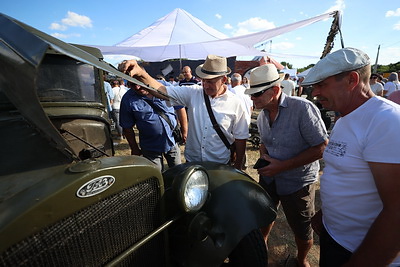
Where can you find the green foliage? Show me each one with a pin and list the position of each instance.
(287, 64)
(305, 68)
(393, 67)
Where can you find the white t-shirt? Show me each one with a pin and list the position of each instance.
(288, 87)
(118, 94)
(376, 87)
(390, 87)
(350, 201)
(246, 100)
(203, 142)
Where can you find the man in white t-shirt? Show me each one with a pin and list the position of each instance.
(360, 214)
(288, 85)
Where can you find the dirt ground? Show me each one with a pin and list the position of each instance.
(281, 245)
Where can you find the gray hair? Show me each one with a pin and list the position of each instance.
(393, 77)
(236, 77)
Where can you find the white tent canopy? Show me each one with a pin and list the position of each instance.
(304, 73)
(180, 35)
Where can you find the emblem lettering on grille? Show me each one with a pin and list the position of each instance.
(95, 186)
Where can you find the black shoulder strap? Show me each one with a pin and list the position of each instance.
(214, 122)
(159, 111)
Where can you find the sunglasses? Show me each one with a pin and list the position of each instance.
(258, 94)
(374, 77)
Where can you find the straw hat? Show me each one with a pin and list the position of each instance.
(214, 66)
(263, 77)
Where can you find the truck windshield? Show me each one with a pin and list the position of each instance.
(63, 79)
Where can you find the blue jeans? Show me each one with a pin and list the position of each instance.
(173, 157)
(115, 117)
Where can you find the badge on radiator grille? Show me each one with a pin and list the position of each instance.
(95, 186)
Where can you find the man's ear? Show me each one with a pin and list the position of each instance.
(276, 89)
(353, 79)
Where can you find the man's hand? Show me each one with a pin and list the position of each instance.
(130, 67)
(275, 166)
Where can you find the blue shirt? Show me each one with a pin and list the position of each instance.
(155, 134)
(192, 81)
(297, 127)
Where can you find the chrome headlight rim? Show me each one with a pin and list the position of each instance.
(193, 190)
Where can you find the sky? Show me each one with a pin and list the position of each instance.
(366, 24)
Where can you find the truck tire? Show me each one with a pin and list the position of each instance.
(251, 251)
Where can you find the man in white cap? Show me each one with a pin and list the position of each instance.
(293, 137)
(360, 216)
(203, 143)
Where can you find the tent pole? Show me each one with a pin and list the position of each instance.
(180, 59)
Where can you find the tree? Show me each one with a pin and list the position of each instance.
(287, 64)
(393, 67)
(305, 68)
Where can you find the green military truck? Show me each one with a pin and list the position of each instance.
(66, 200)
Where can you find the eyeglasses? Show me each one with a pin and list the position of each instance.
(258, 94)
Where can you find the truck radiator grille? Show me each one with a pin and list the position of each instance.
(95, 235)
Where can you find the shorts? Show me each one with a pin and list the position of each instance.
(298, 208)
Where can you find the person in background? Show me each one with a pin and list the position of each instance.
(376, 87)
(380, 79)
(109, 94)
(180, 112)
(122, 85)
(395, 97)
(118, 94)
(245, 82)
(288, 85)
(299, 87)
(238, 89)
(188, 78)
(172, 81)
(391, 85)
(203, 142)
(293, 138)
(155, 134)
(359, 218)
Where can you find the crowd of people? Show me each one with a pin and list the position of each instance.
(360, 212)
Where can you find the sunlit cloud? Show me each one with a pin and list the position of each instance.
(218, 16)
(58, 27)
(387, 55)
(75, 20)
(253, 25)
(228, 26)
(392, 13)
(339, 5)
(281, 46)
(65, 36)
(397, 26)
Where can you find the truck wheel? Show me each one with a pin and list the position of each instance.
(251, 251)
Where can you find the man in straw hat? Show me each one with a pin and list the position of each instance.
(360, 215)
(203, 142)
(293, 137)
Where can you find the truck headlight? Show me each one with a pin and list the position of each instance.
(194, 189)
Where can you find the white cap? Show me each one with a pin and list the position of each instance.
(342, 60)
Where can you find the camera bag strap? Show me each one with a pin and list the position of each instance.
(214, 122)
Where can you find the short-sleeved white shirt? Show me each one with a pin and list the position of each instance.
(350, 200)
(203, 142)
